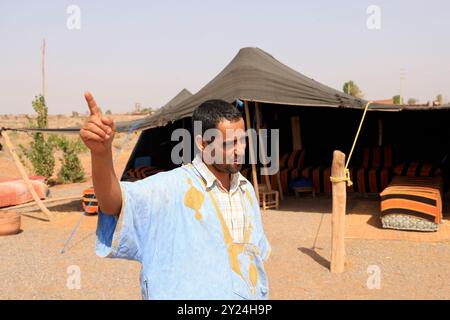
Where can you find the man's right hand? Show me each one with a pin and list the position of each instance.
(98, 131)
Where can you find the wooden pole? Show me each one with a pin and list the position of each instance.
(43, 69)
(250, 146)
(24, 175)
(296, 133)
(280, 188)
(261, 146)
(32, 204)
(338, 214)
(277, 156)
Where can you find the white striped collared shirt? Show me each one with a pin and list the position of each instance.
(231, 203)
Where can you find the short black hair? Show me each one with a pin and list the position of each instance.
(212, 112)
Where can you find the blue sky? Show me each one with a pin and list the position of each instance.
(147, 51)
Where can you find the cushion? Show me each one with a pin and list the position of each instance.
(294, 159)
(369, 180)
(417, 169)
(15, 192)
(378, 157)
(141, 172)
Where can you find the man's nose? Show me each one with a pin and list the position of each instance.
(239, 148)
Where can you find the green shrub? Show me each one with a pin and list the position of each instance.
(71, 169)
(40, 152)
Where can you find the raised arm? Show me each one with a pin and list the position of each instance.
(97, 134)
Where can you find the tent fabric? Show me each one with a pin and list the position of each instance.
(154, 119)
(254, 75)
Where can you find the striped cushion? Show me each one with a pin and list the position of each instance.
(417, 169)
(378, 157)
(369, 180)
(412, 196)
(294, 159)
(320, 177)
(141, 172)
(90, 203)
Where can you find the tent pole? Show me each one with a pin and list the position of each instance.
(252, 155)
(261, 147)
(24, 175)
(380, 132)
(296, 133)
(280, 188)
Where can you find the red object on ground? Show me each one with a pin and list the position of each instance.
(14, 191)
(90, 203)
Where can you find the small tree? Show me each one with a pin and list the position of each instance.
(40, 152)
(71, 169)
(412, 101)
(397, 99)
(440, 99)
(352, 89)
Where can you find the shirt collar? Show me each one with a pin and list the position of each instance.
(237, 179)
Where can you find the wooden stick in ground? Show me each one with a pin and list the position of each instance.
(338, 214)
(24, 175)
(252, 154)
(261, 147)
(32, 204)
(280, 188)
(43, 69)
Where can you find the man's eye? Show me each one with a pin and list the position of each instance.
(228, 143)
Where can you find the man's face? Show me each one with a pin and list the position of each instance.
(226, 152)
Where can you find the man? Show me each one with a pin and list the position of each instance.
(197, 229)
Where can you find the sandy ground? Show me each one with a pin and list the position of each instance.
(32, 266)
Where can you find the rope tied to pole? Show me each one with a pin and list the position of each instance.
(347, 178)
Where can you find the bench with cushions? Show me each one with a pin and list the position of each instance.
(373, 175)
(376, 168)
(412, 203)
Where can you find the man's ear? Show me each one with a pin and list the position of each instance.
(199, 143)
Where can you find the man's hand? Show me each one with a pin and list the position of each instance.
(98, 131)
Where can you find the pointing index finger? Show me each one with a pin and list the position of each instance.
(95, 110)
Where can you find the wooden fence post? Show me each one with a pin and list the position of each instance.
(338, 214)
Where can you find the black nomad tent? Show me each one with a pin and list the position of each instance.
(310, 116)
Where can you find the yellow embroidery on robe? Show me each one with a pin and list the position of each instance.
(253, 272)
(193, 199)
(249, 197)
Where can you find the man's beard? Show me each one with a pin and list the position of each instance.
(230, 169)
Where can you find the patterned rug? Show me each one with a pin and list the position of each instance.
(363, 222)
